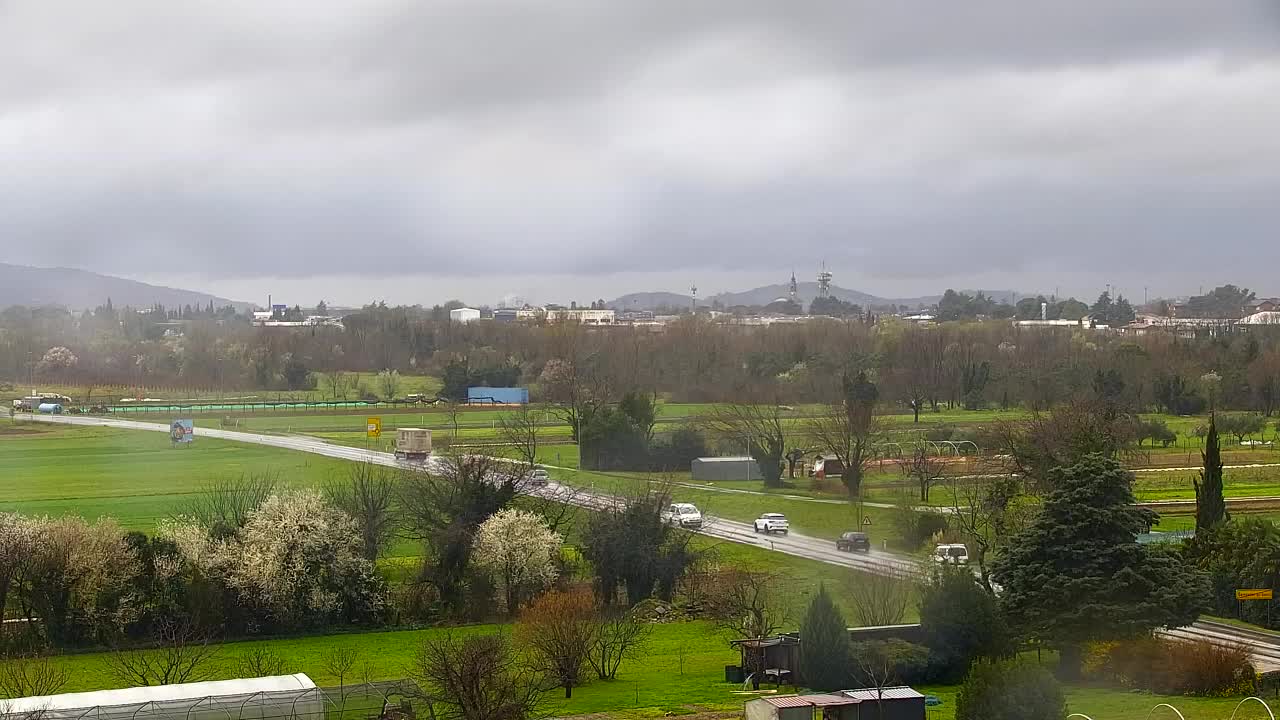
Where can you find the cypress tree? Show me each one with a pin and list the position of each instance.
(824, 645)
(1211, 507)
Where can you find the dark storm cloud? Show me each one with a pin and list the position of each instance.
(915, 138)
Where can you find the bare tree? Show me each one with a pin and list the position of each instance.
(339, 384)
(31, 676)
(758, 428)
(620, 635)
(851, 442)
(477, 677)
(339, 661)
(367, 495)
(389, 384)
(561, 630)
(520, 430)
(750, 603)
(987, 509)
(225, 505)
(453, 411)
(260, 661)
(923, 469)
(881, 600)
(183, 655)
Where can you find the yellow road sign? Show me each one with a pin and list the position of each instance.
(373, 427)
(1257, 594)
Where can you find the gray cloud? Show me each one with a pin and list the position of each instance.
(908, 143)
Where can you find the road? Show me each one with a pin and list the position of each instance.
(811, 548)
(1265, 647)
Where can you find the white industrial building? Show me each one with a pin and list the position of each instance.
(464, 315)
(287, 697)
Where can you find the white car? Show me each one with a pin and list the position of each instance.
(684, 515)
(772, 523)
(951, 554)
(539, 477)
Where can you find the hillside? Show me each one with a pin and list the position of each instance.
(805, 292)
(80, 290)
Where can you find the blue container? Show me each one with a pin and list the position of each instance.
(498, 396)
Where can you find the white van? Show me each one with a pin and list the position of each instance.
(951, 554)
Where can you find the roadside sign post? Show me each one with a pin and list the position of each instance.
(372, 430)
(1243, 594)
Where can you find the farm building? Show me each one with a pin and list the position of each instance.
(498, 396)
(293, 697)
(464, 315)
(893, 703)
(725, 468)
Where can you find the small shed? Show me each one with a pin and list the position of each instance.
(725, 468)
(804, 707)
(772, 660)
(889, 703)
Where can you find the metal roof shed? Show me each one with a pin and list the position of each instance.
(282, 697)
(725, 468)
(890, 703)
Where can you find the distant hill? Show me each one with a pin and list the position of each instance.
(805, 292)
(81, 290)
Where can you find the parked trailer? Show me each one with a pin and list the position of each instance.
(50, 408)
(413, 443)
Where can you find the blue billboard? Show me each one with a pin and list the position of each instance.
(498, 396)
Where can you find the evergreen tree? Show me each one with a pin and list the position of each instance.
(961, 621)
(1211, 507)
(824, 645)
(1078, 574)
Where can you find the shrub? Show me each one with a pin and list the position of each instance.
(1010, 691)
(878, 663)
(1175, 667)
(961, 622)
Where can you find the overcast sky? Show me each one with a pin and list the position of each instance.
(416, 151)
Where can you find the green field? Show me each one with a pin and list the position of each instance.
(135, 477)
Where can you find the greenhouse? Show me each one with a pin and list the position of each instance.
(284, 697)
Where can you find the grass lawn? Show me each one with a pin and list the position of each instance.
(136, 477)
(680, 671)
(682, 665)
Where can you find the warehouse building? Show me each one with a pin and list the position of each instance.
(725, 468)
(464, 315)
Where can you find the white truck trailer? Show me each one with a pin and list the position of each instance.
(413, 443)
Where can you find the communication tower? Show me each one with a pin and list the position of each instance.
(824, 282)
(794, 288)
(693, 293)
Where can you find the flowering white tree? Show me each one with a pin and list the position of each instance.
(519, 552)
(297, 559)
(57, 362)
(79, 579)
(301, 560)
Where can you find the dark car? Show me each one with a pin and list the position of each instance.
(854, 542)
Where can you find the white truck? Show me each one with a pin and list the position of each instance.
(413, 444)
